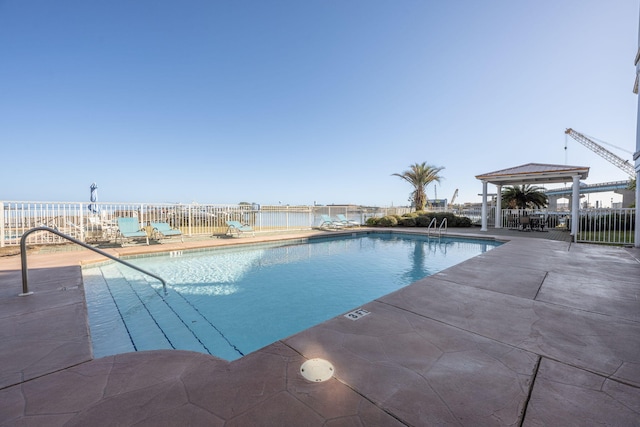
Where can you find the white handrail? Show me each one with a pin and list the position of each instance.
(443, 223)
(23, 258)
(434, 224)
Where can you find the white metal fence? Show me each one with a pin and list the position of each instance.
(613, 226)
(549, 219)
(606, 225)
(96, 222)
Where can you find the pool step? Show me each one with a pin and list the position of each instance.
(108, 332)
(153, 323)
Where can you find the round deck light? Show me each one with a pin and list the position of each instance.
(317, 370)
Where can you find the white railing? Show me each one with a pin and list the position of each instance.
(76, 220)
(552, 219)
(611, 226)
(605, 225)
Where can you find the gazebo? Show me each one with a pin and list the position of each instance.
(533, 173)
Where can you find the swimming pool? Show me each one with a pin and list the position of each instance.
(231, 301)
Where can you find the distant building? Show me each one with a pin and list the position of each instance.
(437, 203)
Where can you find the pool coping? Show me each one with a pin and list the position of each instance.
(269, 245)
(64, 294)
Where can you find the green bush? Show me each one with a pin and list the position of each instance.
(423, 221)
(388, 221)
(463, 221)
(372, 222)
(411, 215)
(407, 221)
(452, 220)
(440, 216)
(420, 219)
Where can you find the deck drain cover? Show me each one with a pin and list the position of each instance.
(316, 370)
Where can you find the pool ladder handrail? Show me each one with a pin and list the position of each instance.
(23, 258)
(442, 224)
(434, 224)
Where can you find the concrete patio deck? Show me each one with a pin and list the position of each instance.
(536, 332)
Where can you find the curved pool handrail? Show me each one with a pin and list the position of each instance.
(23, 258)
(443, 224)
(433, 224)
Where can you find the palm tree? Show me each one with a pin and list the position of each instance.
(524, 196)
(420, 175)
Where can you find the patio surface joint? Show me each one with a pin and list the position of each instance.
(535, 297)
(528, 398)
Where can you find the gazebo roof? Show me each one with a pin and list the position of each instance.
(533, 173)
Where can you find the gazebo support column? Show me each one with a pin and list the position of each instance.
(636, 235)
(499, 207)
(636, 155)
(484, 207)
(575, 206)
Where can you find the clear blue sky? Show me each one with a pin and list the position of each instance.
(300, 101)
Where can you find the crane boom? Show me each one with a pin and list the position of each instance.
(622, 164)
(453, 198)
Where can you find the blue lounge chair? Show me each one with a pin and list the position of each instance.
(327, 222)
(129, 228)
(238, 228)
(163, 229)
(347, 222)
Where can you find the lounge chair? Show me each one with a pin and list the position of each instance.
(98, 228)
(238, 228)
(327, 222)
(129, 228)
(347, 222)
(163, 229)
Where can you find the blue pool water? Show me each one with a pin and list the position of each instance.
(231, 301)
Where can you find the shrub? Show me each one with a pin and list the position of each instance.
(423, 221)
(388, 221)
(420, 219)
(372, 222)
(463, 221)
(407, 221)
(440, 216)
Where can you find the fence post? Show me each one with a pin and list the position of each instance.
(81, 222)
(189, 216)
(311, 215)
(2, 220)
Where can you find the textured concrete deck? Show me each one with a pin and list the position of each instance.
(537, 332)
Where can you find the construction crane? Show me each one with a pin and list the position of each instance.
(622, 164)
(453, 198)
